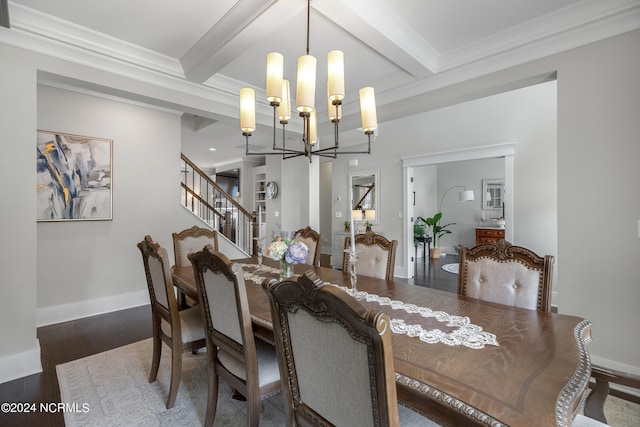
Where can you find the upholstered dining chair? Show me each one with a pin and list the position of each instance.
(247, 364)
(335, 357)
(313, 240)
(376, 256)
(594, 404)
(506, 274)
(180, 330)
(191, 240)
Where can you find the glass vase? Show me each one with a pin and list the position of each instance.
(287, 270)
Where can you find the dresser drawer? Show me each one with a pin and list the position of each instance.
(489, 235)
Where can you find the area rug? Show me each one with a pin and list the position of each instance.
(112, 389)
(451, 268)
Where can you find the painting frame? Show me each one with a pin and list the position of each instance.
(74, 177)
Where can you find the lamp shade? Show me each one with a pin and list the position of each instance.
(487, 196)
(284, 109)
(247, 110)
(356, 214)
(335, 74)
(275, 70)
(370, 214)
(313, 128)
(466, 196)
(306, 84)
(368, 109)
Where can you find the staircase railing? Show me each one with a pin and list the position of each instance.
(207, 200)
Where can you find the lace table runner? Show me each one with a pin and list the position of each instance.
(461, 330)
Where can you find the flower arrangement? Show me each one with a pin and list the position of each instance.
(289, 251)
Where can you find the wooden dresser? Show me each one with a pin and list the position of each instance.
(488, 235)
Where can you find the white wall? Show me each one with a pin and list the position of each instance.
(526, 116)
(20, 351)
(85, 260)
(598, 105)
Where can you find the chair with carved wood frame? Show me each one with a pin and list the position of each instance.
(181, 330)
(506, 274)
(335, 357)
(313, 240)
(376, 255)
(191, 240)
(248, 365)
(594, 404)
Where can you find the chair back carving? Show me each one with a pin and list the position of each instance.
(376, 256)
(192, 240)
(506, 274)
(329, 346)
(313, 240)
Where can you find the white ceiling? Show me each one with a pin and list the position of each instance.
(402, 48)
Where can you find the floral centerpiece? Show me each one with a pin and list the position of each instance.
(289, 251)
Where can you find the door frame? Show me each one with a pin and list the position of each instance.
(504, 150)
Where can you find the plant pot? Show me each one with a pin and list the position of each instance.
(435, 253)
(347, 229)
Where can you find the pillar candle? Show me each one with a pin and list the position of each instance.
(353, 237)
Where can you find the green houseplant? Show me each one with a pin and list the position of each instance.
(437, 231)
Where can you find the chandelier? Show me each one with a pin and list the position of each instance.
(278, 96)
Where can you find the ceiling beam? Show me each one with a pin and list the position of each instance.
(4, 13)
(382, 30)
(249, 22)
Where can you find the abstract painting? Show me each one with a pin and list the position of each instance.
(74, 177)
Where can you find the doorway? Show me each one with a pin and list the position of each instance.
(504, 150)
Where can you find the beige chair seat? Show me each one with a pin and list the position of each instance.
(191, 325)
(268, 370)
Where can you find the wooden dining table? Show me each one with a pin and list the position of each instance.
(458, 360)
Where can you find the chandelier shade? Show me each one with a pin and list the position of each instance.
(278, 95)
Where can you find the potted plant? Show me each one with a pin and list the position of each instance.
(437, 231)
(347, 226)
(368, 225)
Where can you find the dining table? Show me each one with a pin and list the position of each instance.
(458, 360)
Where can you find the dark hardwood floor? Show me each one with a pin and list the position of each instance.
(431, 275)
(61, 343)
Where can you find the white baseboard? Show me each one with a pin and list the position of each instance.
(77, 310)
(20, 365)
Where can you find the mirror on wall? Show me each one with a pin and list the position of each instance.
(492, 194)
(364, 193)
